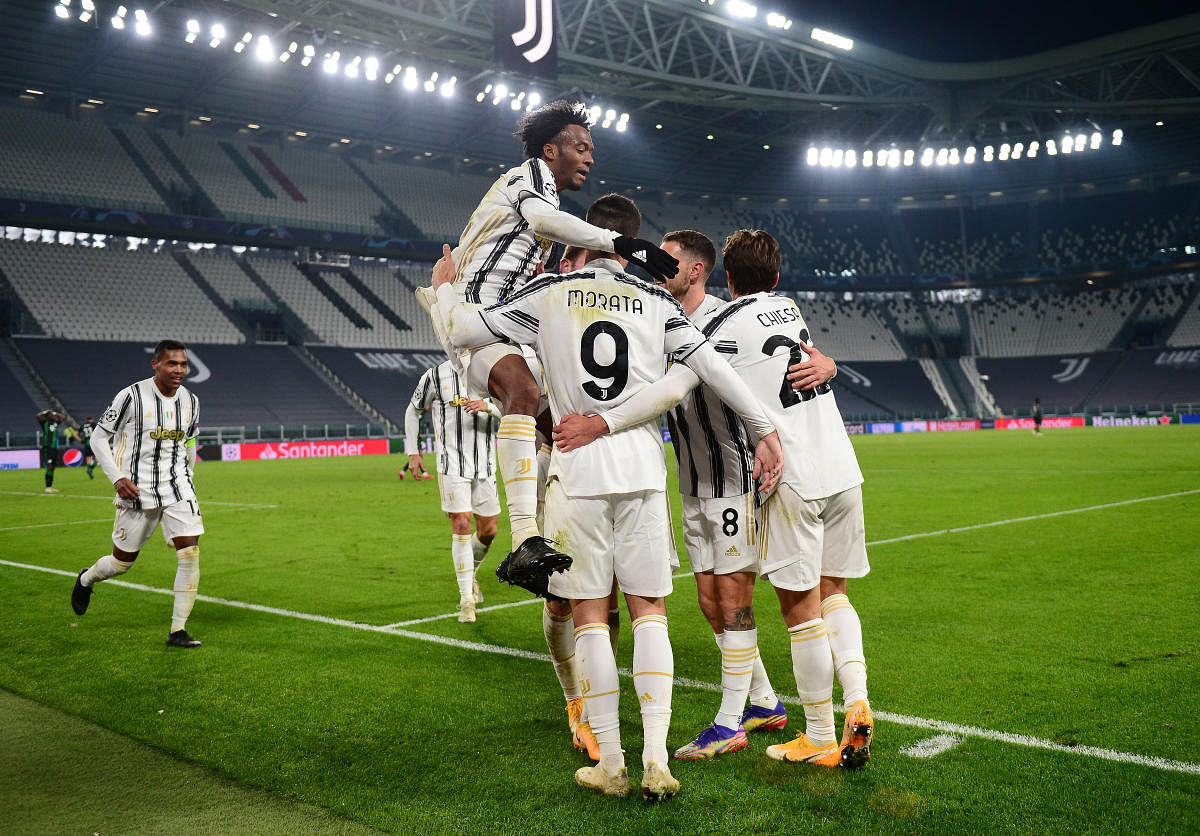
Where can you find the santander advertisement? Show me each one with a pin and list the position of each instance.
(1047, 423)
(303, 449)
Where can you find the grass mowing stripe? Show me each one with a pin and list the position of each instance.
(246, 505)
(1047, 515)
(900, 719)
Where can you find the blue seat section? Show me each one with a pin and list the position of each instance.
(1152, 377)
(265, 385)
(16, 408)
(385, 379)
(885, 389)
(1061, 381)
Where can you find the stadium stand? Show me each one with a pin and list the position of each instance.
(16, 407)
(250, 386)
(851, 329)
(1187, 331)
(437, 201)
(1064, 383)
(869, 390)
(386, 379)
(1151, 378)
(43, 159)
(1082, 322)
(82, 293)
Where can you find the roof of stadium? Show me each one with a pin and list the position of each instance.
(717, 104)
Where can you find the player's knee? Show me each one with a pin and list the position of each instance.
(558, 609)
(460, 523)
(188, 554)
(486, 528)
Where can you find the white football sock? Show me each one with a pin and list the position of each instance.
(479, 550)
(845, 639)
(543, 465)
(560, 641)
(464, 564)
(103, 569)
(187, 581)
(812, 663)
(653, 677)
(739, 648)
(516, 450)
(598, 666)
(761, 692)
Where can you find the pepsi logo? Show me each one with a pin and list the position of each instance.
(72, 457)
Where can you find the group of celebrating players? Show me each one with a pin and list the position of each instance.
(580, 365)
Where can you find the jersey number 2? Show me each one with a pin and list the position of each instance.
(787, 395)
(617, 371)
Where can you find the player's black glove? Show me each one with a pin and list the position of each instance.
(658, 263)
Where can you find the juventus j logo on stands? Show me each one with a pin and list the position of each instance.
(539, 15)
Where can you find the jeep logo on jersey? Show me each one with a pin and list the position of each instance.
(524, 37)
(168, 435)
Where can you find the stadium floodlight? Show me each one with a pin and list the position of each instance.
(927, 157)
(710, 137)
(952, 158)
(1096, 139)
(1018, 148)
(117, 21)
(826, 158)
(943, 157)
(1033, 150)
(832, 39)
(851, 158)
(1068, 144)
(969, 155)
(351, 70)
(868, 158)
(1080, 142)
(989, 153)
(63, 12)
(1051, 148)
(607, 123)
(594, 113)
(778, 21)
(264, 51)
(838, 155)
(535, 99)
(430, 83)
(371, 68)
(621, 126)
(813, 156)
(193, 31)
(894, 157)
(610, 115)
(241, 44)
(330, 64)
(1118, 136)
(141, 23)
(1003, 155)
(741, 9)
(218, 34)
(284, 56)
(89, 9)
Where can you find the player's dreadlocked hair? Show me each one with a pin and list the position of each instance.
(541, 126)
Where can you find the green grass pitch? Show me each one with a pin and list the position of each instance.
(1032, 609)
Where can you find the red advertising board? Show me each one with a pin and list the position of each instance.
(304, 449)
(952, 426)
(1047, 423)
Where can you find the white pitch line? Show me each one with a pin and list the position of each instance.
(900, 719)
(54, 524)
(932, 746)
(1048, 515)
(246, 505)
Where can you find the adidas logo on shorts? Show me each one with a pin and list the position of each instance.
(732, 551)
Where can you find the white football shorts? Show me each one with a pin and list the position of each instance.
(133, 526)
(801, 540)
(721, 535)
(626, 536)
(463, 495)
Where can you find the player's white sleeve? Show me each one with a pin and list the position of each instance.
(464, 324)
(719, 376)
(103, 454)
(412, 422)
(652, 401)
(493, 410)
(564, 227)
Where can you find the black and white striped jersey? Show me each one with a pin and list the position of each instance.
(712, 447)
(761, 335)
(465, 442)
(150, 434)
(498, 252)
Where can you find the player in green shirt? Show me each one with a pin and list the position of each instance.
(48, 421)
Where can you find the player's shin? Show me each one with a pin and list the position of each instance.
(464, 564)
(739, 649)
(653, 677)
(812, 663)
(516, 450)
(103, 569)
(599, 685)
(845, 639)
(560, 641)
(187, 581)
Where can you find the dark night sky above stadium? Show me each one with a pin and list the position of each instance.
(978, 31)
